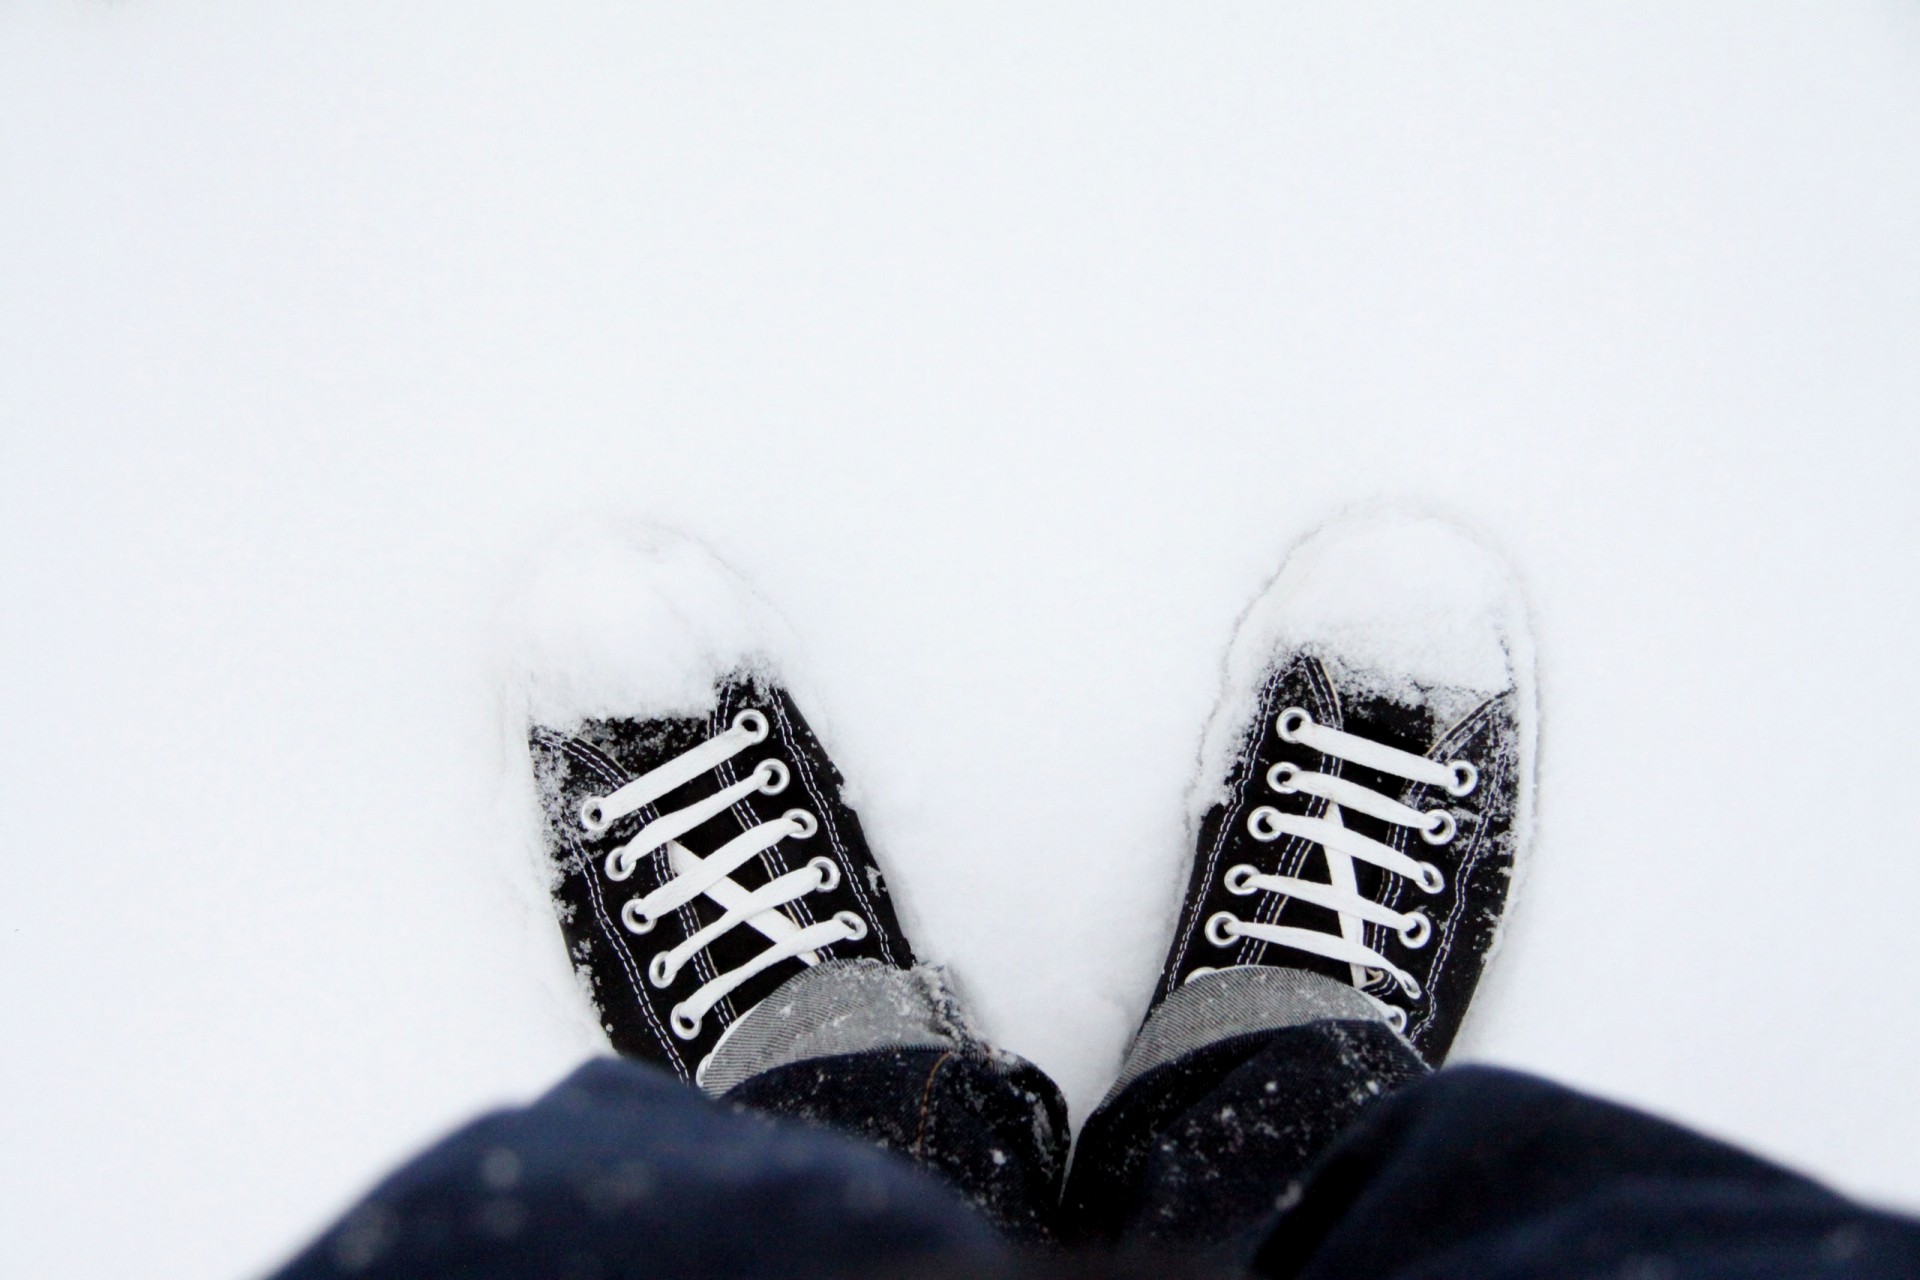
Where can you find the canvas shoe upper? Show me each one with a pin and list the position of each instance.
(700, 850)
(1365, 779)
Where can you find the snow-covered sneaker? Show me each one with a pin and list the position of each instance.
(701, 851)
(1366, 777)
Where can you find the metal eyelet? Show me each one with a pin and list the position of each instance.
(753, 723)
(636, 920)
(593, 815)
(1280, 777)
(1219, 928)
(1419, 933)
(1239, 879)
(1441, 829)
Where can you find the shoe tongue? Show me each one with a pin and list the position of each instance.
(1399, 710)
(639, 746)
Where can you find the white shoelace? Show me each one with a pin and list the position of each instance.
(694, 876)
(1342, 845)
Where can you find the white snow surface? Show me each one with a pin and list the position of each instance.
(637, 624)
(1005, 350)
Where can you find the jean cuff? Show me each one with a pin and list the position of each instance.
(837, 1007)
(1214, 1005)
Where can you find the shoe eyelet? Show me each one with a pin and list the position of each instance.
(1441, 827)
(635, 918)
(855, 926)
(1239, 879)
(1263, 824)
(1465, 778)
(1429, 878)
(776, 779)
(1221, 926)
(1290, 722)
(1280, 778)
(593, 815)
(829, 873)
(752, 723)
(618, 865)
(805, 825)
(685, 1025)
(1417, 934)
(658, 973)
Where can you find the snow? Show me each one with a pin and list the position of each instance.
(1005, 351)
(1399, 603)
(639, 624)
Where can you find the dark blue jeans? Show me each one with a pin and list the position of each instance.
(1317, 1151)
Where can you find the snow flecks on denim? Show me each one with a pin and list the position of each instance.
(992, 1125)
(1202, 1149)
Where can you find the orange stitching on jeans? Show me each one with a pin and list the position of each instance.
(926, 1099)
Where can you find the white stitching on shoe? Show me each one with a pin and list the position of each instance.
(824, 808)
(615, 935)
(1454, 742)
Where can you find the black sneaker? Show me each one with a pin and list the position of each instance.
(1366, 778)
(701, 852)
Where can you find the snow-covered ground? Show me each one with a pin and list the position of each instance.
(1005, 348)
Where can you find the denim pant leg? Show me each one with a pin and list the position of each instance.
(992, 1127)
(774, 1166)
(1494, 1175)
(1269, 1124)
(888, 1055)
(1232, 1088)
(624, 1170)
